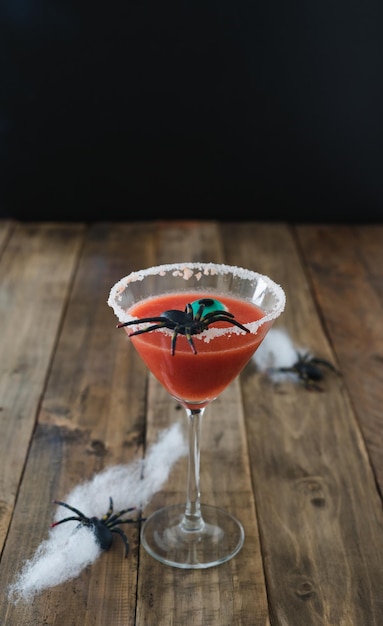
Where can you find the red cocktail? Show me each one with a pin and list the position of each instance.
(196, 379)
(195, 325)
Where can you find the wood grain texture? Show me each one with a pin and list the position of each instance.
(346, 269)
(6, 228)
(319, 511)
(36, 269)
(302, 470)
(92, 416)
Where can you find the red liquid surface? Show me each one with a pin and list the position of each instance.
(196, 379)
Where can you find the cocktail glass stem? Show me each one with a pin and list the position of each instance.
(192, 519)
(192, 535)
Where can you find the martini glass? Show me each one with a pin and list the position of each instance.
(195, 371)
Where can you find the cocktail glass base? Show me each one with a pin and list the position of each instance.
(219, 537)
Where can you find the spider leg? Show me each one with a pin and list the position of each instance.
(115, 519)
(225, 317)
(71, 508)
(233, 321)
(174, 342)
(125, 521)
(69, 519)
(148, 329)
(187, 334)
(197, 316)
(190, 340)
(286, 370)
(217, 315)
(109, 511)
(324, 363)
(124, 539)
(140, 321)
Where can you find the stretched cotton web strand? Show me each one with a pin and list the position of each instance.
(69, 548)
(277, 350)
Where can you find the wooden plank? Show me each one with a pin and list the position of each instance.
(318, 508)
(319, 512)
(92, 416)
(346, 269)
(6, 228)
(36, 270)
(234, 592)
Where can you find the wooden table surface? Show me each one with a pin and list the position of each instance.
(302, 470)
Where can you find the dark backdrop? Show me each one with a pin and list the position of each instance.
(149, 109)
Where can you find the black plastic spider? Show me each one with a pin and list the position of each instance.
(308, 369)
(102, 527)
(196, 318)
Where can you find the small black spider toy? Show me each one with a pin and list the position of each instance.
(196, 318)
(309, 370)
(102, 527)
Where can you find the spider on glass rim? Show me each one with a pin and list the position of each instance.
(195, 318)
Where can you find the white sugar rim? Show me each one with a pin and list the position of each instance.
(186, 271)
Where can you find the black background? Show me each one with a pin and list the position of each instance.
(148, 109)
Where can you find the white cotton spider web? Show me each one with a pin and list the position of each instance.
(277, 350)
(70, 548)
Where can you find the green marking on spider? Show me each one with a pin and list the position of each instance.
(209, 306)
